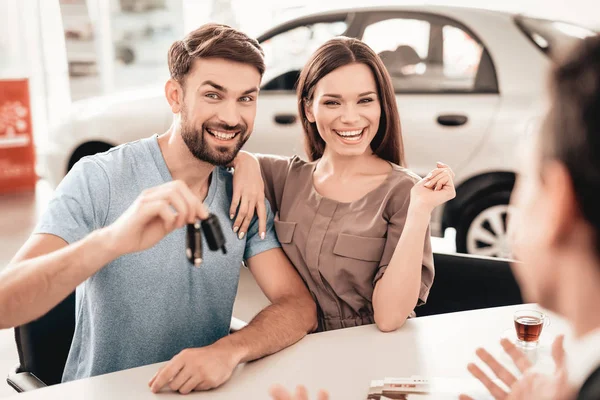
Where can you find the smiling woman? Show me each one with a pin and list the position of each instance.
(333, 66)
(353, 220)
(348, 116)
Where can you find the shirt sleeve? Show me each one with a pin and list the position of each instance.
(79, 204)
(395, 227)
(274, 171)
(254, 244)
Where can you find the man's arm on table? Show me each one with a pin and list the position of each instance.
(288, 319)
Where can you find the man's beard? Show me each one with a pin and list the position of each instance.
(217, 155)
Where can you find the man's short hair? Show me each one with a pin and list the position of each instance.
(571, 133)
(214, 41)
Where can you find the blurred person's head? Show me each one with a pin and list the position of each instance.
(215, 78)
(557, 195)
(347, 103)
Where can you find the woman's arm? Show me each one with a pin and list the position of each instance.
(256, 176)
(397, 292)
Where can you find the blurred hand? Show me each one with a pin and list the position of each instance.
(435, 189)
(531, 385)
(278, 392)
(154, 214)
(248, 195)
(196, 369)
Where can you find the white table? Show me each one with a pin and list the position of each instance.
(343, 361)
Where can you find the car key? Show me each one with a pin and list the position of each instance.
(214, 238)
(214, 235)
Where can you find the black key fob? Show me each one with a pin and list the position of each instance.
(193, 244)
(214, 237)
(214, 234)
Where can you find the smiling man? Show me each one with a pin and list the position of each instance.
(144, 302)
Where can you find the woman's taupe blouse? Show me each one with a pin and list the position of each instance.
(340, 249)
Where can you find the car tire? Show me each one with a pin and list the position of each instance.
(481, 229)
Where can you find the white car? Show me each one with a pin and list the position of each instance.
(468, 85)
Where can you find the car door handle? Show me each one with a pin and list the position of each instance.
(285, 119)
(452, 120)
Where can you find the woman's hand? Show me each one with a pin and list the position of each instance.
(435, 189)
(248, 195)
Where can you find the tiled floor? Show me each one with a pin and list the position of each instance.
(18, 216)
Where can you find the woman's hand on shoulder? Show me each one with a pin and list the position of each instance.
(248, 195)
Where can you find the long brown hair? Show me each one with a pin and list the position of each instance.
(335, 53)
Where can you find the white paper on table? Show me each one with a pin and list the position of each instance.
(439, 387)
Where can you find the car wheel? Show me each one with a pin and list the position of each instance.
(482, 227)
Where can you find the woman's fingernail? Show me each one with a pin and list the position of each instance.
(241, 235)
(262, 235)
(235, 229)
(231, 216)
(428, 184)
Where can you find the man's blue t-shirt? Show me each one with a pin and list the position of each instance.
(145, 307)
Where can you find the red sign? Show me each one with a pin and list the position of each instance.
(17, 155)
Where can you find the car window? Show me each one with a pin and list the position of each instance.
(419, 61)
(287, 52)
(462, 55)
(387, 35)
(552, 36)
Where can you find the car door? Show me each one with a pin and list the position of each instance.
(277, 129)
(445, 84)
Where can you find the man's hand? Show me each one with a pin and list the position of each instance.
(278, 392)
(154, 214)
(196, 369)
(532, 385)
